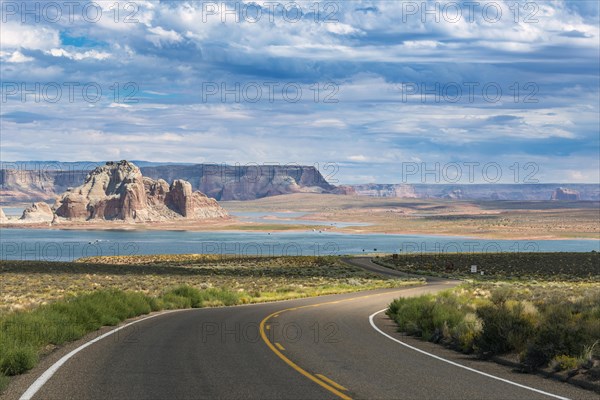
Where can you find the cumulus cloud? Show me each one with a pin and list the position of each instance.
(15, 36)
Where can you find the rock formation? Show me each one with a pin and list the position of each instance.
(345, 190)
(474, 191)
(118, 191)
(565, 194)
(384, 190)
(44, 181)
(454, 194)
(38, 212)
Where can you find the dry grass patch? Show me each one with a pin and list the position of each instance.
(27, 284)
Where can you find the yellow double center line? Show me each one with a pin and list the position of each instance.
(319, 379)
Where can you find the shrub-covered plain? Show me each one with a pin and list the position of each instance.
(507, 266)
(541, 308)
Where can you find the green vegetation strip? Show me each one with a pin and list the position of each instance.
(27, 284)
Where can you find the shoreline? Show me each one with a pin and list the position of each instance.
(221, 227)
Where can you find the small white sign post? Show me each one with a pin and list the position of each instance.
(473, 269)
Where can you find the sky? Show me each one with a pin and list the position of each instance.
(366, 91)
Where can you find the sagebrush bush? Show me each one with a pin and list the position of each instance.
(187, 292)
(431, 317)
(171, 301)
(414, 315)
(223, 296)
(505, 328)
(540, 325)
(466, 332)
(561, 332)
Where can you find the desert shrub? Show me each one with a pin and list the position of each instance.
(254, 293)
(430, 317)
(172, 301)
(467, 331)
(504, 328)
(561, 332)
(414, 315)
(446, 316)
(564, 363)
(501, 295)
(219, 296)
(187, 292)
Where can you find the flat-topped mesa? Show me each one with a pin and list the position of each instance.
(565, 194)
(118, 191)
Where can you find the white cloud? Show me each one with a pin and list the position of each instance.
(78, 56)
(15, 57)
(161, 36)
(342, 29)
(15, 36)
(358, 158)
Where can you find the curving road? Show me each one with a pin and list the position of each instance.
(317, 348)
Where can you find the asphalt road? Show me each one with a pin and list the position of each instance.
(317, 348)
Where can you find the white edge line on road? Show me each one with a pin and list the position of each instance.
(372, 316)
(39, 382)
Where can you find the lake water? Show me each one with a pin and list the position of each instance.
(66, 245)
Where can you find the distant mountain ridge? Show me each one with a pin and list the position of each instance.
(30, 181)
(484, 191)
(221, 182)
